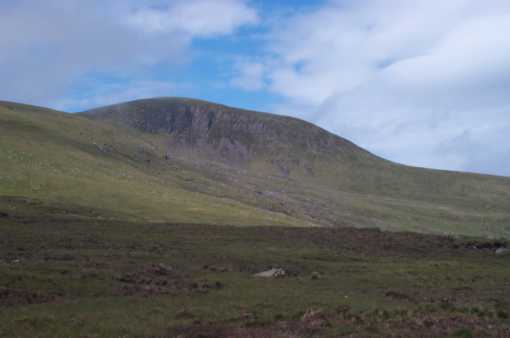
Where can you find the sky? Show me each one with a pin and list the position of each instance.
(422, 82)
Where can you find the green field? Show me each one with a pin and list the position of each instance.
(65, 277)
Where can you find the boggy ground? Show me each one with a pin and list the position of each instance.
(72, 277)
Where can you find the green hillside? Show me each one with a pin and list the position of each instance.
(189, 161)
(82, 168)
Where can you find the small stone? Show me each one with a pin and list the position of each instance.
(315, 275)
(163, 269)
(272, 273)
(502, 251)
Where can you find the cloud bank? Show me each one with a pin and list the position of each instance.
(45, 46)
(421, 82)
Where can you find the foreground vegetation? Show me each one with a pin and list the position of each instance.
(79, 276)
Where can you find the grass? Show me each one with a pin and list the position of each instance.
(48, 156)
(65, 159)
(92, 217)
(62, 277)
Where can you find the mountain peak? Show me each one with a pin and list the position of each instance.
(231, 135)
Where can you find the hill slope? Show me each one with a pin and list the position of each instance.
(68, 165)
(183, 160)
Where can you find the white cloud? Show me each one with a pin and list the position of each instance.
(195, 17)
(102, 95)
(46, 45)
(422, 82)
(250, 76)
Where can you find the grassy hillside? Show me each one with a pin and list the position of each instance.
(306, 171)
(96, 170)
(188, 161)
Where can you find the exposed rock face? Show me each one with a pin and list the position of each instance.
(233, 135)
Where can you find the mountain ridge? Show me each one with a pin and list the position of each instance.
(235, 135)
(96, 113)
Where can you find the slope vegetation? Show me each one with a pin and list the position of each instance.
(312, 174)
(76, 167)
(190, 161)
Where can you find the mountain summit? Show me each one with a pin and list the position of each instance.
(234, 136)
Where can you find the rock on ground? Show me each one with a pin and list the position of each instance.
(502, 251)
(272, 273)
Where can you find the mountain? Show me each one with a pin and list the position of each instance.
(232, 136)
(64, 164)
(190, 161)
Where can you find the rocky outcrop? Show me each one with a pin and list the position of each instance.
(228, 134)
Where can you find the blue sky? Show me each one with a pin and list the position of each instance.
(422, 82)
(208, 67)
